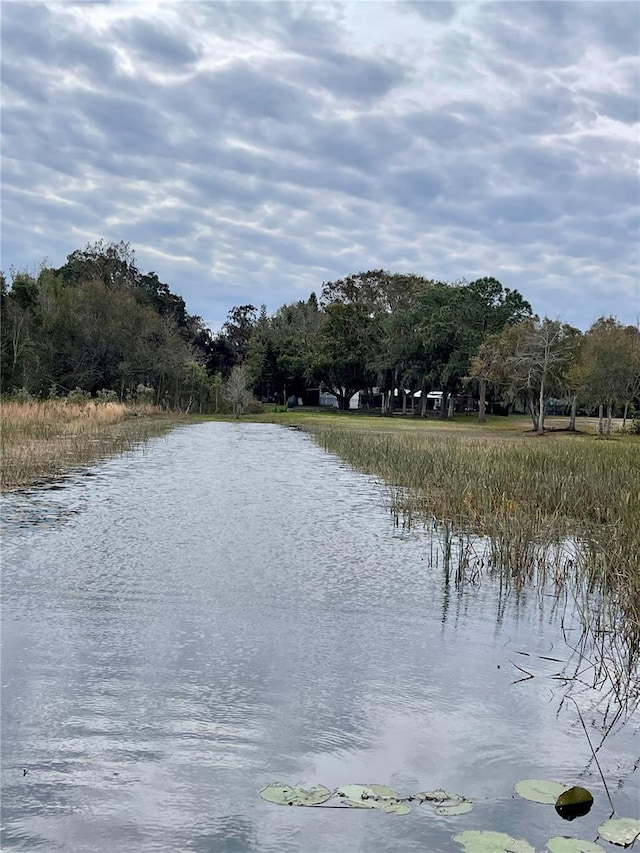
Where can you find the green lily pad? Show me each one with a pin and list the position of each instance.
(454, 808)
(396, 808)
(562, 844)
(285, 795)
(438, 796)
(445, 802)
(384, 791)
(372, 797)
(539, 790)
(357, 804)
(358, 796)
(486, 841)
(576, 802)
(620, 830)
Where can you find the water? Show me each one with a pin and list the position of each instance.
(232, 607)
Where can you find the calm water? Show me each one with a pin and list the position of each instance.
(232, 607)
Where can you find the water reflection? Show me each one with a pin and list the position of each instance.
(233, 608)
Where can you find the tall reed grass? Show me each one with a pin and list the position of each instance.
(563, 512)
(39, 440)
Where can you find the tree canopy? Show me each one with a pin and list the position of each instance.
(100, 323)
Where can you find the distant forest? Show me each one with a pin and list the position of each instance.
(99, 326)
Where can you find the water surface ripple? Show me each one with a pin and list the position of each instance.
(230, 607)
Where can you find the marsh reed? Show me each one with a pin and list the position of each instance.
(42, 439)
(560, 513)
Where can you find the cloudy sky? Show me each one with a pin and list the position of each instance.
(250, 151)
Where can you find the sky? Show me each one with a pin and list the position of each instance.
(249, 152)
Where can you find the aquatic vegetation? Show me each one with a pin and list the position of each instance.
(487, 841)
(576, 802)
(622, 831)
(559, 514)
(539, 790)
(285, 795)
(39, 440)
(371, 796)
(563, 844)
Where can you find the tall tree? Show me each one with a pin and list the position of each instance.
(543, 354)
(528, 362)
(612, 367)
(341, 355)
(238, 329)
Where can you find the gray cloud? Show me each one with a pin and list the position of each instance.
(432, 10)
(250, 151)
(157, 44)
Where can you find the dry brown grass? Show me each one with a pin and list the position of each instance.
(40, 440)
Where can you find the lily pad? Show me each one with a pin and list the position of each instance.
(396, 808)
(358, 796)
(384, 791)
(576, 802)
(539, 790)
(620, 830)
(454, 809)
(444, 802)
(285, 795)
(438, 796)
(486, 841)
(562, 844)
(372, 797)
(357, 804)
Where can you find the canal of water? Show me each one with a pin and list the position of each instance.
(229, 606)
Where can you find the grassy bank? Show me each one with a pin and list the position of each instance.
(560, 511)
(39, 440)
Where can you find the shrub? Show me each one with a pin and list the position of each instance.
(106, 395)
(144, 395)
(79, 396)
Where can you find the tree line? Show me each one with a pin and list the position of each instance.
(99, 325)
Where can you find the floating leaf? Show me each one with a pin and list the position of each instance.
(620, 830)
(562, 844)
(486, 841)
(445, 802)
(360, 796)
(383, 791)
(285, 795)
(454, 809)
(396, 808)
(539, 790)
(576, 802)
(438, 796)
(358, 804)
(372, 797)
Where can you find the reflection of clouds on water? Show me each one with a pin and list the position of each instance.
(239, 610)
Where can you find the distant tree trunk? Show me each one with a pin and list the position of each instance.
(404, 402)
(450, 406)
(541, 408)
(444, 405)
(572, 417)
(482, 402)
(423, 403)
(609, 416)
(600, 419)
(413, 404)
(533, 412)
(624, 416)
